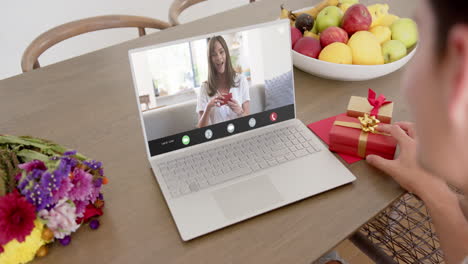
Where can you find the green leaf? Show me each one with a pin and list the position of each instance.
(8, 170)
(13, 140)
(3, 183)
(29, 155)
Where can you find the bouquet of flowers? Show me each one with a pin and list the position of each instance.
(46, 193)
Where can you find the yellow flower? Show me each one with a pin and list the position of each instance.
(18, 253)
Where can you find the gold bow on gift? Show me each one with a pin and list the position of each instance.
(368, 124)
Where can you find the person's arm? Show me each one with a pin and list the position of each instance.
(449, 221)
(236, 107)
(204, 116)
(443, 204)
(241, 111)
(246, 108)
(202, 119)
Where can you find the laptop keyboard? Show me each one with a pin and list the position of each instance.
(226, 162)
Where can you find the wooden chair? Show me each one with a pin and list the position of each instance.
(178, 6)
(55, 35)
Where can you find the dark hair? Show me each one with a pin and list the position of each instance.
(213, 74)
(448, 14)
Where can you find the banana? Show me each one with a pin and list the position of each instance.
(388, 20)
(344, 7)
(378, 11)
(285, 13)
(316, 9)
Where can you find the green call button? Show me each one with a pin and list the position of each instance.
(185, 140)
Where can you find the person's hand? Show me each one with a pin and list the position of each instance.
(404, 169)
(235, 106)
(215, 101)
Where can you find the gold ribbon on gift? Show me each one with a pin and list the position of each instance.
(368, 124)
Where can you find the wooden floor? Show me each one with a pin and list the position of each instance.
(352, 254)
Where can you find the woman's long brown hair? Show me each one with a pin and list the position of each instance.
(213, 74)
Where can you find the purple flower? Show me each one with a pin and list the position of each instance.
(69, 153)
(94, 224)
(37, 187)
(65, 241)
(39, 196)
(92, 164)
(35, 164)
(82, 185)
(97, 182)
(64, 168)
(69, 161)
(48, 181)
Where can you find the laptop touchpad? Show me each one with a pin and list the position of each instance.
(247, 197)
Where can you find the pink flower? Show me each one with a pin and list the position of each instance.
(16, 218)
(61, 219)
(80, 207)
(34, 164)
(82, 185)
(63, 190)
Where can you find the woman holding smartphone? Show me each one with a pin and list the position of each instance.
(225, 95)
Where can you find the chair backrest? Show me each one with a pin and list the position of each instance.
(55, 35)
(178, 6)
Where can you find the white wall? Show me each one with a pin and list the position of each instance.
(266, 60)
(275, 61)
(23, 20)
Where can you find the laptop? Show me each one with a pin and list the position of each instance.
(219, 121)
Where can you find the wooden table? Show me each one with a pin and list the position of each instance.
(88, 103)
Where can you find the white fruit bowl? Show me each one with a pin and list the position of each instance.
(344, 72)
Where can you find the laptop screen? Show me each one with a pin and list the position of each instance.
(199, 90)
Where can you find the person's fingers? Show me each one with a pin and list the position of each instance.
(385, 128)
(382, 164)
(408, 127)
(399, 134)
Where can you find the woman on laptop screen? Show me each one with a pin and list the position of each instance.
(225, 95)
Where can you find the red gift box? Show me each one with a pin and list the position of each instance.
(347, 136)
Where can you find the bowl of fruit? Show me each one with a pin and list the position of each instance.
(348, 41)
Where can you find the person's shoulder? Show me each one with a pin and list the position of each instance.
(240, 79)
(204, 87)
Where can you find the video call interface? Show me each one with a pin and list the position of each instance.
(201, 90)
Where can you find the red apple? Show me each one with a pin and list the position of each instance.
(333, 34)
(308, 46)
(295, 35)
(357, 18)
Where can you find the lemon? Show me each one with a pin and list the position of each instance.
(382, 33)
(365, 48)
(337, 53)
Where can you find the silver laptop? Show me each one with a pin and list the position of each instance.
(220, 127)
